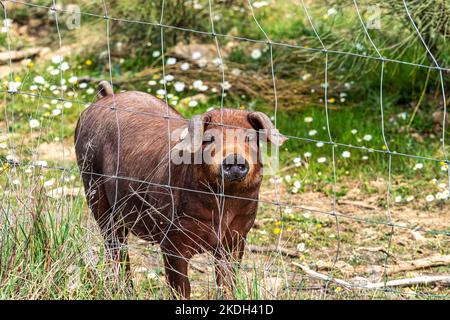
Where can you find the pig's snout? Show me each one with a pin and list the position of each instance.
(234, 167)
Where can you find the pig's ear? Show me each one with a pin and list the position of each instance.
(192, 136)
(261, 121)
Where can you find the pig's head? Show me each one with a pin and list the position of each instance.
(228, 153)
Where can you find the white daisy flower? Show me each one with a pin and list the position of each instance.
(169, 77)
(226, 85)
(184, 66)
(332, 11)
(193, 103)
(73, 80)
(197, 84)
(236, 72)
(171, 61)
(39, 80)
(65, 66)
(196, 55)
(346, 154)
(256, 54)
(321, 160)
(179, 86)
(40, 163)
(418, 166)
(57, 59)
(12, 158)
(301, 247)
(306, 76)
(14, 86)
(260, 4)
(49, 183)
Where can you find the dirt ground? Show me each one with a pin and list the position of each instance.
(356, 250)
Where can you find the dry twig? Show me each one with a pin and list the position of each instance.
(377, 285)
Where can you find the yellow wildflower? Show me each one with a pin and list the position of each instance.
(276, 231)
(5, 168)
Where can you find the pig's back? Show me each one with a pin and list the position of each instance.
(136, 135)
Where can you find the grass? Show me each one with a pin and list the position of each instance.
(50, 247)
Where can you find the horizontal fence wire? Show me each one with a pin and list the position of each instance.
(159, 115)
(275, 203)
(271, 44)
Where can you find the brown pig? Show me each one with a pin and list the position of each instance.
(190, 185)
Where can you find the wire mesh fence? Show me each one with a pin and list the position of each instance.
(296, 276)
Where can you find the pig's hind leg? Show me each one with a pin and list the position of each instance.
(114, 232)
